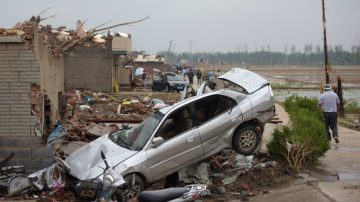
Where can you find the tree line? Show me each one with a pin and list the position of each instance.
(290, 56)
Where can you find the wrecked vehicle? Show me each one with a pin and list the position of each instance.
(184, 133)
(168, 81)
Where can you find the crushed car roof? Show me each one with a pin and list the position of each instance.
(250, 81)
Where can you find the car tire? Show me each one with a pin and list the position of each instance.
(246, 139)
(135, 185)
(119, 195)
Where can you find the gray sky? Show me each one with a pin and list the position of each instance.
(209, 25)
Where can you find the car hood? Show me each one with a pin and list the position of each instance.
(248, 80)
(84, 162)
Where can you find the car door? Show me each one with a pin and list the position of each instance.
(159, 83)
(181, 148)
(214, 121)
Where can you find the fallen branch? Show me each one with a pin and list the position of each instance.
(43, 11)
(92, 32)
(122, 24)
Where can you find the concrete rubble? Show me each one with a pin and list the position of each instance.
(61, 39)
(89, 115)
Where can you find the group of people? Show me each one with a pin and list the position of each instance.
(191, 73)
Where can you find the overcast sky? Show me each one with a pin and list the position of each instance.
(203, 25)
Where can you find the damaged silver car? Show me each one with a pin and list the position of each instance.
(228, 112)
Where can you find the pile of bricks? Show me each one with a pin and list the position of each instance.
(86, 114)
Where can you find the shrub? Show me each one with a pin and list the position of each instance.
(295, 103)
(352, 107)
(304, 140)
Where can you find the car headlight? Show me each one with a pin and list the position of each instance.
(108, 180)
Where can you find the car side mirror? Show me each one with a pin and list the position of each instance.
(157, 141)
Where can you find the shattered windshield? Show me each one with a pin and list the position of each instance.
(136, 138)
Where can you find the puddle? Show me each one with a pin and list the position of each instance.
(330, 178)
(349, 176)
(349, 149)
(341, 176)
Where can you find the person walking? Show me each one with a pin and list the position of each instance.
(329, 102)
(132, 79)
(191, 76)
(145, 78)
(198, 76)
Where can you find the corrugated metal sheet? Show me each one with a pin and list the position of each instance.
(11, 39)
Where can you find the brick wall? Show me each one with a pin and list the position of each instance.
(18, 71)
(89, 67)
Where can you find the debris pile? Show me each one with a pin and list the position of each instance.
(60, 40)
(88, 115)
(221, 169)
(21, 30)
(231, 175)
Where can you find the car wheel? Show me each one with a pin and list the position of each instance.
(135, 185)
(246, 139)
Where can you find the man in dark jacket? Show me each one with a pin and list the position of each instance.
(191, 76)
(198, 76)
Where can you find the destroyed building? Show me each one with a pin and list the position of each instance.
(37, 63)
(21, 103)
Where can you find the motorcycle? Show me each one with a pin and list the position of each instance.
(113, 182)
(174, 194)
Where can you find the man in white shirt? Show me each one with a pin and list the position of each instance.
(329, 102)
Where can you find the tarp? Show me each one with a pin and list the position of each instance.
(139, 71)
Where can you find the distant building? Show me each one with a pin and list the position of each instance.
(148, 62)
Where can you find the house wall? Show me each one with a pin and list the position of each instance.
(89, 67)
(51, 75)
(19, 69)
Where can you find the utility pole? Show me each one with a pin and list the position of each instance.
(327, 80)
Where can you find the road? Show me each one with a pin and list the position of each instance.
(343, 159)
(342, 162)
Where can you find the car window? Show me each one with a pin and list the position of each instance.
(171, 77)
(176, 123)
(137, 137)
(156, 77)
(212, 106)
(227, 103)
